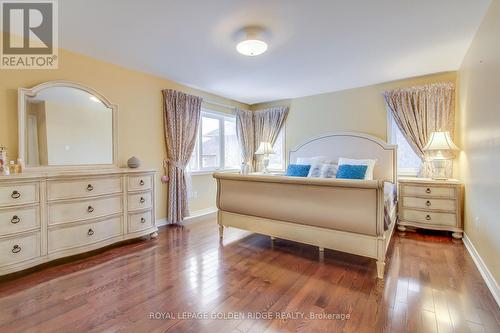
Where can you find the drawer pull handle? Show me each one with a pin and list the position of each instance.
(16, 249)
(141, 182)
(90, 187)
(428, 191)
(90, 209)
(428, 218)
(143, 220)
(90, 232)
(15, 219)
(428, 203)
(15, 194)
(142, 200)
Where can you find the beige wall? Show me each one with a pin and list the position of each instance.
(138, 96)
(360, 109)
(479, 92)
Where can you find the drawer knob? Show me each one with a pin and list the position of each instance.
(141, 182)
(90, 232)
(90, 187)
(428, 191)
(428, 218)
(15, 219)
(90, 209)
(16, 249)
(142, 200)
(143, 220)
(15, 194)
(428, 203)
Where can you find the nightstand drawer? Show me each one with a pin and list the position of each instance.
(430, 204)
(428, 191)
(447, 219)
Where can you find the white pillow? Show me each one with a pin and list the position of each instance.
(310, 160)
(368, 162)
(329, 171)
(323, 170)
(315, 170)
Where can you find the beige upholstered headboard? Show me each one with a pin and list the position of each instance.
(351, 145)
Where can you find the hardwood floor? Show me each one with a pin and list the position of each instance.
(431, 285)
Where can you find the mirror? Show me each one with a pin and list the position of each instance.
(66, 124)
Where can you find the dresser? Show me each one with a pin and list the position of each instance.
(431, 204)
(46, 216)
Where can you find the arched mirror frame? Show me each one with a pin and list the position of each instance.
(24, 93)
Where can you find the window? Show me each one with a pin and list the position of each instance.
(408, 162)
(216, 147)
(277, 161)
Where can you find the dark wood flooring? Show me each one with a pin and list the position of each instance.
(431, 285)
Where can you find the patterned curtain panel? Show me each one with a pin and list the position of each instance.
(419, 111)
(245, 135)
(181, 119)
(267, 125)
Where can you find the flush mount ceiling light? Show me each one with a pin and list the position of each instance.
(251, 43)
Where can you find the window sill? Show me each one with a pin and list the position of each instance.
(210, 172)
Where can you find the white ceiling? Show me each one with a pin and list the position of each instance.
(315, 46)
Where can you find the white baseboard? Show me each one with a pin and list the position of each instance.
(161, 222)
(200, 215)
(481, 266)
(194, 217)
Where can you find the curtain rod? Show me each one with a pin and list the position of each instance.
(227, 106)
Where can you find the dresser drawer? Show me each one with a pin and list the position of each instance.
(136, 183)
(18, 194)
(61, 212)
(16, 250)
(430, 203)
(428, 191)
(84, 234)
(19, 219)
(447, 219)
(140, 221)
(69, 189)
(139, 201)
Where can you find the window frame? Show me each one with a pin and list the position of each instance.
(221, 117)
(402, 172)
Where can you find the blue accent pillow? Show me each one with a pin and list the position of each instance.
(297, 170)
(347, 171)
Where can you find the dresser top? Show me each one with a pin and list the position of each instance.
(429, 181)
(73, 173)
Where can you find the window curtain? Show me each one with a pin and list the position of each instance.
(255, 127)
(245, 135)
(181, 119)
(267, 125)
(418, 112)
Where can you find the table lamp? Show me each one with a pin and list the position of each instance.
(265, 149)
(440, 142)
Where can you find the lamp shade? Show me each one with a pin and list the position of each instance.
(440, 141)
(265, 148)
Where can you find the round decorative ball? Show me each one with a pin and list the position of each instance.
(133, 162)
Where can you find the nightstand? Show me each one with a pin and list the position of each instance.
(431, 204)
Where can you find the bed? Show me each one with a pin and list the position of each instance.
(353, 216)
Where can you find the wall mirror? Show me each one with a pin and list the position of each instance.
(65, 124)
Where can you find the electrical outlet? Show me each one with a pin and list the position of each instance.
(195, 195)
(477, 222)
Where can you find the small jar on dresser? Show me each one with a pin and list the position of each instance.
(431, 204)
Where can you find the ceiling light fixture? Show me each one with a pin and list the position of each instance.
(252, 44)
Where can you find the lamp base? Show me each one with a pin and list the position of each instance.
(265, 163)
(439, 169)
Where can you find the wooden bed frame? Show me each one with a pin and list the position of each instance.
(343, 215)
